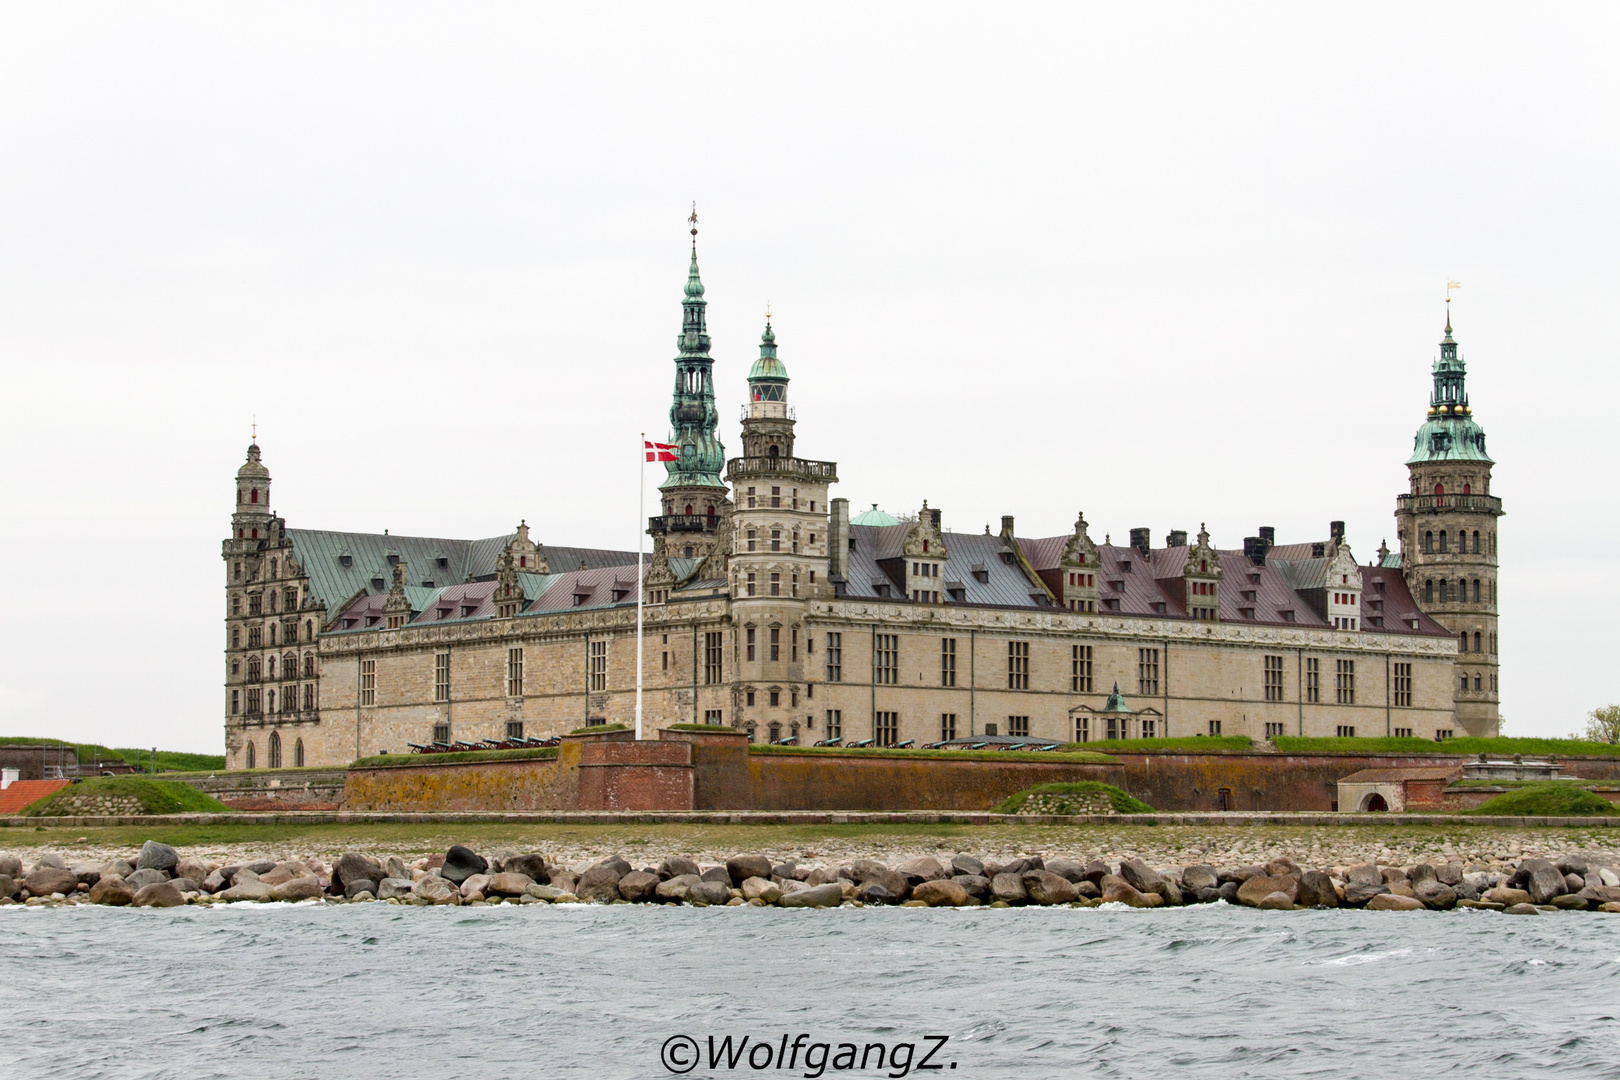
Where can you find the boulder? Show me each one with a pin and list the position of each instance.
(1277, 901)
(977, 885)
(141, 878)
(45, 880)
(532, 866)
(715, 893)
(114, 867)
(676, 866)
(51, 859)
(247, 889)
(279, 876)
(742, 867)
(460, 863)
(1612, 907)
(1357, 893)
(1087, 890)
(1507, 896)
(613, 862)
(156, 856)
(1542, 880)
(758, 888)
(1096, 870)
(600, 883)
(9, 886)
(1521, 909)
(191, 868)
(1243, 873)
(1572, 882)
(549, 893)
(475, 883)
(1228, 891)
(1199, 876)
(351, 889)
(873, 893)
(1608, 876)
(1570, 902)
(1008, 888)
(11, 866)
(1420, 872)
(243, 874)
(942, 892)
(1364, 874)
(818, 896)
(1450, 873)
(113, 891)
(1024, 865)
(351, 866)
(1316, 890)
(1140, 876)
(214, 882)
(792, 885)
(185, 885)
(437, 889)
(1282, 867)
(260, 866)
(158, 894)
(1391, 902)
(889, 879)
(967, 864)
(821, 875)
(1046, 888)
(638, 886)
(1392, 874)
(1116, 890)
(1257, 888)
(565, 880)
(1435, 895)
(1068, 869)
(89, 874)
(514, 884)
(921, 869)
(308, 887)
(1578, 865)
(675, 888)
(1401, 887)
(1207, 895)
(717, 874)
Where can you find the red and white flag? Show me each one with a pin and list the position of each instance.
(657, 451)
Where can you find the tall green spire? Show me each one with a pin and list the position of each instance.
(1449, 433)
(693, 418)
(768, 378)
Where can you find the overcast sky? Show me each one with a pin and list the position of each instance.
(1168, 270)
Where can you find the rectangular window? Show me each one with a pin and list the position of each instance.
(750, 503)
(1273, 730)
(236, 702)
(886, 659)
(776, 644)
(835, 657)
(1344, 682)
(1403, 733)
(1214, 727)
(1082, 729)
(1274, 679)
(309, 697)
(1147, 671)
(514, 671)
(1345, 731)
(441, 676)
(598, 666)
(714, 717)
(1018, 725)
(748, 643)
(1403, 687)
(750, 583)
(776, 539)
(1313, 680)
(368, 682)
(793, 646)
(776, 584)
(255, 605)
(947, 663)
(713, 651)
(1018, 665)
(1150, 729)
(1113, 728)
(947, 726)
(886, 729)
(1080, 669)
(1442, 734)
(441, 732)
(835, 724)
(514, 729)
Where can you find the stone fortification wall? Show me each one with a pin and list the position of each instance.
(791, 782)
(271, 789)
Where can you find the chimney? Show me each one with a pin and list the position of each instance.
(1254, 548)
(1006, 525)
(838, 541)
(1142, 540)
(1176, 538)
(1336, 531)
(1268, 533)
(933, 516)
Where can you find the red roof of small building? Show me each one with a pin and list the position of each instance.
(26, 792)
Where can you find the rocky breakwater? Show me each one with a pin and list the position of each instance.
(158, 876)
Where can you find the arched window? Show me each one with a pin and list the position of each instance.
(298, 754)
(289, 665)
(1476, 590)
(1462, 641)
(255, 496)
(1439, 489)
(275, 749)
(1476, 641)
(272, 568)
(1428, 592)
(711, 510)
(252, 758)
(238, 496)
(1444, 547)
(1468, 489)
(1428, 542)
(774, 451)
(255, 534)
(689, 510)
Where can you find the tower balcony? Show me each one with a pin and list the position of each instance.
(1440, 504)
(683, 523)
(782, 468)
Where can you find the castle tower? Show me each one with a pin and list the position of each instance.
(778, 555)
(693, 496)
(1447, 528)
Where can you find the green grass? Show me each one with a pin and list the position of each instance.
(1551, 798)
(942, 755)
(712, 729)
(531, 754)
(1513, 785)
(1123, 803)
(164, 761)
(1496, 748)
(1192, 744)
(597, 729)
(155, 796)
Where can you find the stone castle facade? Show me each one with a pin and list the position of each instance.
(769, 609)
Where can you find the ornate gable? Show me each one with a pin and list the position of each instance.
(1080, 550)
(1203, 561)
(924, 539)
(525, 553)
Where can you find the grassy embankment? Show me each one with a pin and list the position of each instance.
(1553, 798)
(1123, 803)
(1501, 748)
(154, 796)
(163, 761)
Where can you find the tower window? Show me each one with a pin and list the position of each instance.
(1444, 547)
(1428, 542)
(255, 496)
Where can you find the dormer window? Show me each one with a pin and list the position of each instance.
(1288, 615)
(1254, 579)
(377, 583)
(345, 560)
(1125, 566)
(1246, 612)
(393, 560)
(442, 563)
(1117, 586)
(982, 576)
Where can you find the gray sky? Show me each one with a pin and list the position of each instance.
(1168, 269)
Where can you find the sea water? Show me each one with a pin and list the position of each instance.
(362, 990)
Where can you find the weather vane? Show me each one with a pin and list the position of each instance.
(693, 220)
(1449, 286)
(255, 427)
(767, 311)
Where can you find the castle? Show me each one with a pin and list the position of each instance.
(767, 608)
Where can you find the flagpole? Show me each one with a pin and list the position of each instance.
(641, 532)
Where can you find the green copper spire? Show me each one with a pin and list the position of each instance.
(1449, 433)
(693, 418)
(768, 375)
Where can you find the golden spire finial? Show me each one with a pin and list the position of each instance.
(767, 312)
(255, 427)
(1449, 286)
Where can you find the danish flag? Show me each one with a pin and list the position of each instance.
(657, 451)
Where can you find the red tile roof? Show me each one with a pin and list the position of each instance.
(25, 792)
